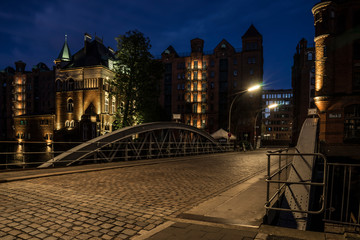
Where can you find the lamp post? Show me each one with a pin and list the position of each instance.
(253, 88)
(257, 114)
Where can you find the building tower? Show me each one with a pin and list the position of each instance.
(337, 74)
(303, 84)
(85, 107)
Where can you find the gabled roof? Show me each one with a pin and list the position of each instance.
(223, 44)
(170, 50)
(65, 54)
(93, 54)
(251, 32)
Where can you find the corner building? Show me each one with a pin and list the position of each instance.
(337, 76)
(201, 85)
(85, 107)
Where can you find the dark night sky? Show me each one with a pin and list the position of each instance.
(33, 31)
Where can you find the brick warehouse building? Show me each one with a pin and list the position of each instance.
(201, 85)
(27, 94)
(85, 107)
(303, 84)
(337, 76)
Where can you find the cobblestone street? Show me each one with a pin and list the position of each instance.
(118, 203)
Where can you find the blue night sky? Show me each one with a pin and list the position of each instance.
(33, 31)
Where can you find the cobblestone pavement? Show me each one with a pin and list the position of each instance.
(118, 203)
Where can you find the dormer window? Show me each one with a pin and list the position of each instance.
(223, 46)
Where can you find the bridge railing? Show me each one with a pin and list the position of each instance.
(283, 182)
(343, 194)
(14, 155)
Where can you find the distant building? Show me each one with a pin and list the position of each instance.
(200, 86)
(277, 123)
(303, 84)
(6, 109)
(85, 107)
(337, 76)
(25, 94)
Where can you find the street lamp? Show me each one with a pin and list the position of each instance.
(251, 89)
(257, 114)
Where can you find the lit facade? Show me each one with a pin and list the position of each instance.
(201, 85)
(337, 75)
(85, 106)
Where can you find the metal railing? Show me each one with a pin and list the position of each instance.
(282, 180)
(27, 154)
(343, 188)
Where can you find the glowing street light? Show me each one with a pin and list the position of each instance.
(251, 89)
(271, 106)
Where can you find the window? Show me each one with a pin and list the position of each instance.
(203, 97)
(204, 65)
(195, 109)
(195, 64)
(212, 74)
(203, 77)
(71, 84)
(70, 105)
(251, 60)
(212, 63)
(195, 86)
(251, 72)
(72, 123)
(195, 75)
(113, 105)
(251, 46)
(309, 56)
(235, 73)
(58, 85)
(235, 61)
(352, 123)
(195, 97)
(106, 102)
(203, 108)
(212, 85)
(195, 123)
(67, 123)
(179, 76)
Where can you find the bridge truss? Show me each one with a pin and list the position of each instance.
(146, 141)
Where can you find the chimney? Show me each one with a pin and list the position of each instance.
(87, 40)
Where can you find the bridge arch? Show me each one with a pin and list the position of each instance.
(149, 140)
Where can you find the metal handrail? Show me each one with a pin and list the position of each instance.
(287, 183)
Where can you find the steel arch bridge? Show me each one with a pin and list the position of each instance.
(145, 141)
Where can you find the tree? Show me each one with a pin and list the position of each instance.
(137, 80)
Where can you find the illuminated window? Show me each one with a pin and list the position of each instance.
(67, 123)
(113, 105)
(106, 102)
(70, 105)
(72, 123)
(195, 75)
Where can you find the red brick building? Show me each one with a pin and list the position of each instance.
(337, 75)
(201, 85)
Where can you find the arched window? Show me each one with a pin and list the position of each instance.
(58, 85)
(309, 56)
(71, 84)
(67, 123)
(70, 105)
(72, 124)
(352, 123)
